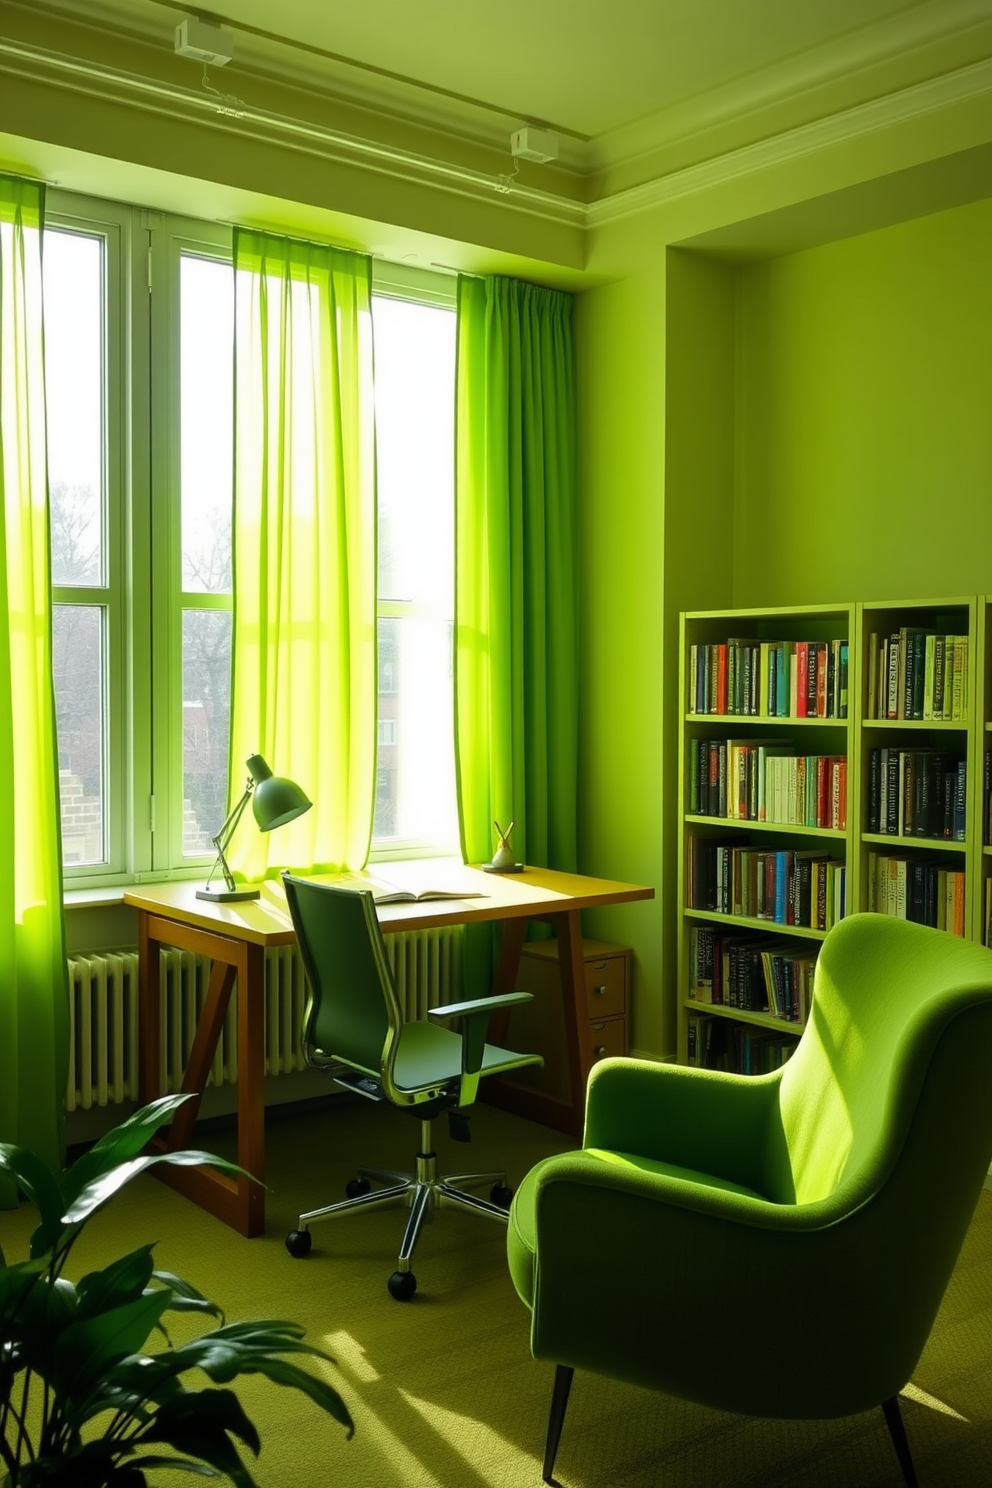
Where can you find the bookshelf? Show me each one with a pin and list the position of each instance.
(927, 751)
(765, 789)
(901, 826)
(982, 794)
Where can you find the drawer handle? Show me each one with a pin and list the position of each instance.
(599, 991)
(600, 1051)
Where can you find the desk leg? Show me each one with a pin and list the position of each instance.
(239, 1202)
(571, 971)
(536, 1105)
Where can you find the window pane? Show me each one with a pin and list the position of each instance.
(414, 419)
(74, 392)
(206, 725)
(78, 664)
(415, 787)
(206, 290)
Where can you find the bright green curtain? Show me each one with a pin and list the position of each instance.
(304, 682)
(516, 668)
(33, 976)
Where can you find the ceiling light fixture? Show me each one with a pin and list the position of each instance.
(539, 145)
(204, 42)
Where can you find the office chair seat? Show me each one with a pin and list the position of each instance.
(354, 1029)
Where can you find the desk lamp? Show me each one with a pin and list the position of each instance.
(275, 801)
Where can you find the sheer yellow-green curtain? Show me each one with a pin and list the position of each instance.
(33, 976)
(304, 668)
(516, 644)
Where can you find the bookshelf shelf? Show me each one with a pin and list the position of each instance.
(791, 829)
(915, 844)
(741, 1015)
(766, 720)
(919, 725)
(747, 922)
(937, 768)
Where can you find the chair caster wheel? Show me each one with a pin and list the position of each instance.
(356, 1187)
(501, 1195)
(402, 1285)
(298, 1243)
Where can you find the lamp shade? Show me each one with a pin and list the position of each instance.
(275, 800)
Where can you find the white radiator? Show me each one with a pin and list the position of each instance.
(103, 1011)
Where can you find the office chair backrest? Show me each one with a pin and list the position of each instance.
(353, 1012)
(896, 1056)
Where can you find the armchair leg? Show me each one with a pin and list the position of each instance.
(556, 1418)
(897, 1431)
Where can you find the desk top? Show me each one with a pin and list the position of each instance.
(531, 894)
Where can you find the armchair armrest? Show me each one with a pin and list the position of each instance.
(717, 1123)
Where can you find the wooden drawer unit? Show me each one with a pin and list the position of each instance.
(539, 1025)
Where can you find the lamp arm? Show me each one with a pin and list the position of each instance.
(223, 838)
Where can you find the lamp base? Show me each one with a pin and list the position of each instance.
(227, 896)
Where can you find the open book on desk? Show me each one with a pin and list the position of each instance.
(386, 894)
(382, 892)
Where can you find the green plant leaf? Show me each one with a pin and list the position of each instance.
(282, 1372)
(38, 1184)
(103, 1187)
(201, 1423)
(174, 1464)
(186, 1298)
(122, 1281)
(258, 1348)
(125, 1141)
(86, 1348)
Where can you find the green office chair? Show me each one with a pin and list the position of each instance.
(825, 1203)
(354, 1029)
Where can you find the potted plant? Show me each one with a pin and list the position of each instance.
(81, 1402)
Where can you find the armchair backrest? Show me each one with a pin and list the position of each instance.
(889, 997)
(352, 1013)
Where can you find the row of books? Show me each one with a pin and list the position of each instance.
(719, 1043)
(924, 890)
(775, 679)
(917, 793)
(766, 780)
(987, 801)
(742, 971)
(786, 886)
(917, 674)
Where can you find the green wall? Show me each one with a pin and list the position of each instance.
(807, 428)
(620, 336)
(864, 444)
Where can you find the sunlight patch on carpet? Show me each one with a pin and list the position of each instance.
(474, 1440)
(349, 1355)
(913, 1392)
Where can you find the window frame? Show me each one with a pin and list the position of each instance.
(142, 596)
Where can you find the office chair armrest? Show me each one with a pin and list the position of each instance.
(476, 1014)
(485, 1005)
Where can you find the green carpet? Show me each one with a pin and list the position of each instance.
(443, 1390)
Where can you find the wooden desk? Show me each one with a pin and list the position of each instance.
(235, 937)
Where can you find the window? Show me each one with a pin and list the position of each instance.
(414, 412)
(139, 342)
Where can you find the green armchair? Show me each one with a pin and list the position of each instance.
(849, 1176)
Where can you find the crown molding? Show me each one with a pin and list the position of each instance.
(88, 78)
(965, 85)
(898, 38)
(269, 58)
